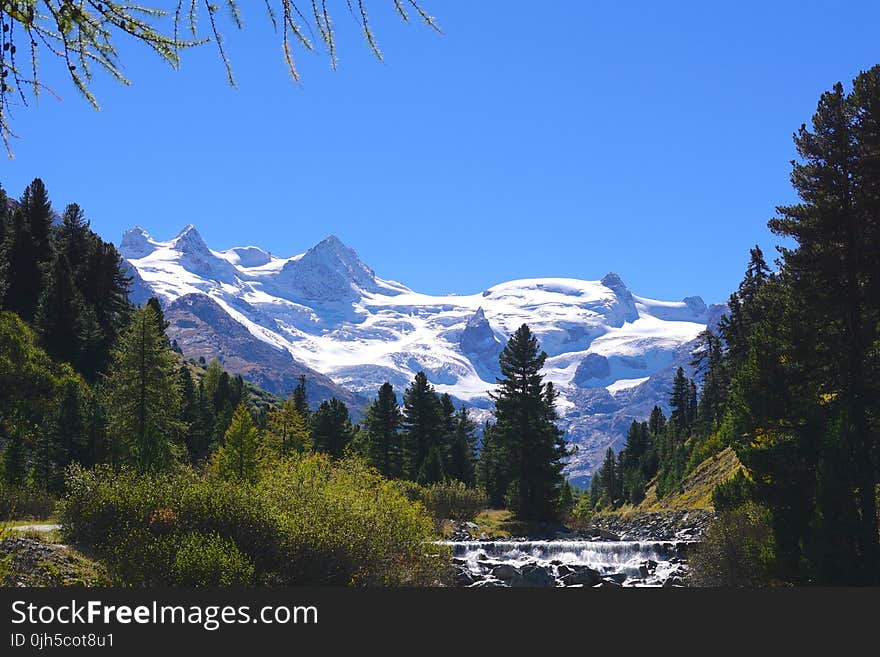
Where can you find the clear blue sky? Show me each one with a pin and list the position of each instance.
(531, 139)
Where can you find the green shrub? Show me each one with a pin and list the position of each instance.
(732, 493)
(307, 521)
(737, 550)
(25, 502)
(210, 560)
(581, 514)
(345, 524)
(451, 500)
(454, 501)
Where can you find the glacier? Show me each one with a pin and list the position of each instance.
(611, 353)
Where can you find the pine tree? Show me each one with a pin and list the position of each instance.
(831, 281)
(493, 470)
(709, 362)
(566, 497)
(462, 449)
(153, 303)
(21, 274)
(609, 481)
(59, 317)
(431, 470)
(680, 402)
(237, 457)
(143, 396)
(332, 430)
(422, 424)
(447, 423)
(657, 422)
(65, 435)
(72, 238)
(38, 214)
(287, 432)
(300, 399)
(384, 449)
(526, 430)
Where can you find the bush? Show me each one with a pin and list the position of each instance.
(446, 500)
(25, 502)
(210, 560)
(454, 501)
(732, 493)
(307, 521)
(737, 550)
(581, 514)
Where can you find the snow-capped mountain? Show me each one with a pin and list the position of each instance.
(611, 353)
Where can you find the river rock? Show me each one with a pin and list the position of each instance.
(534, 574)
(580, 576)
(506, 572)
(619, 578)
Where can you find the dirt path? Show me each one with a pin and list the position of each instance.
(35, 528)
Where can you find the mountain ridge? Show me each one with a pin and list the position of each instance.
(329, 313)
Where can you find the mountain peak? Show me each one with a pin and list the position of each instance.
(136, 243)
(329, 271)
(478, 318)
(613, 282)
(189, 228)
(190, 241)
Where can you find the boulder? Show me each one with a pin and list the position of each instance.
(506, 573)
(581, 576)
(534, 574)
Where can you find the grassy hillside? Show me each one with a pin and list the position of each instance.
(695, 491)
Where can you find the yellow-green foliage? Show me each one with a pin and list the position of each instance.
(308, 520)
(237, 457)
(368, 532)
(451, 500)
(695, 491)
(288, 432)
(581, 513)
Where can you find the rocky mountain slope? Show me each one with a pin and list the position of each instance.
(611, 353)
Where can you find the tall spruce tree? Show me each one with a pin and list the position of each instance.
(39, 215)
(20, 264)
(831, 279)
(301, 400)
(525, 429)
(332, 430)
(462, 449)
(60, 313)
(143, 396)
(493, 470)
(384, 449)
(422, 424)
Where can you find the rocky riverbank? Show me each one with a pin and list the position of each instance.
(683, 525)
